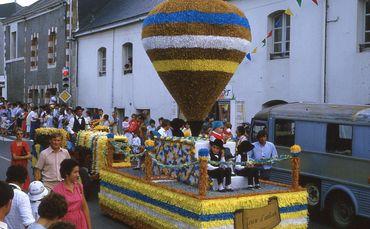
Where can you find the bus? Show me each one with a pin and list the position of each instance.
(335, 157)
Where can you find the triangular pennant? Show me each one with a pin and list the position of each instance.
(288, 12)
(249, 57)
(299, 2)
(315, 1)
(269, 34)
(264, 43)
(278, 23)
(254, 50)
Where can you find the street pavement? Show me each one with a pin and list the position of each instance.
(98, 220)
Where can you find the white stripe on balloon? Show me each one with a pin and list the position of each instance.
(195, 41)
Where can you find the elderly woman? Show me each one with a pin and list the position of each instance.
(78, 211)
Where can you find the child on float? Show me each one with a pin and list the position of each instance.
(221, 171)
(217, 131)
(240, 135)
(242, 169)
(136, 145)
(227, 131)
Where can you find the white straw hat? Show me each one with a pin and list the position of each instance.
(37, 191)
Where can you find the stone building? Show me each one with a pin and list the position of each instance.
(6, 10)
(37, 49)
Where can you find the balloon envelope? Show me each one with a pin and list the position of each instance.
(196, 46)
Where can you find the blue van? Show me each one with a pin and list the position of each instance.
(335, 161)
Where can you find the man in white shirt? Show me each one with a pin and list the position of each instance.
(6, 196)
(165, 128)
(113, 123)
(20, 215)
(264, 149)
(77, 122)
(33, 118)
(13, 110)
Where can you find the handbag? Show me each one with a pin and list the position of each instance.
(24, 152)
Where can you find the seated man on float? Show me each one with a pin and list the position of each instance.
(221, 171)
(241, 169)
(263, 150)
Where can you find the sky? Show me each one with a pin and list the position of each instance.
(20, 2)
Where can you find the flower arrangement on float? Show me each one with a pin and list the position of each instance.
(43, 136)
(101, 128)
(295, 150)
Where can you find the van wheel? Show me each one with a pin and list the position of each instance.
(342, 211)
(313, 195)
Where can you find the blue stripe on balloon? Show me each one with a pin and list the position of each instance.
(184, 212)
(193, 16)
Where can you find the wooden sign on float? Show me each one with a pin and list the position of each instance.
(266, 217)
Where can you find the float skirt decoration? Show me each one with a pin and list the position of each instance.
(142, 204)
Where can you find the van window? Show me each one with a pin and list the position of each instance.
(339, 139)
(257, 127)
(284, 132)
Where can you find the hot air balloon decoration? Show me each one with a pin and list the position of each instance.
(196, 46)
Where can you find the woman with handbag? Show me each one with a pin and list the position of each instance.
(21, 153)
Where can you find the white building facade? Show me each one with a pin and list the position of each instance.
(305, 59)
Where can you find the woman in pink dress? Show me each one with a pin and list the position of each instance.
(78, 211)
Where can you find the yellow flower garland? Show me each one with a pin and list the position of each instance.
(101, 128)
(124, 164)
(101, 150)
(149, 143)
(295, 149)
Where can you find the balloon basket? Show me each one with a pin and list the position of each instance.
(196, 127)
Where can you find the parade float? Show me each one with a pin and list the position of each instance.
(195, 46)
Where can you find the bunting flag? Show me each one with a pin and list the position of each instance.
(269, 34)
(278, 23)
(254, 50)
(288, 12)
